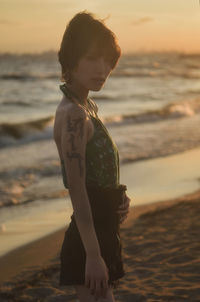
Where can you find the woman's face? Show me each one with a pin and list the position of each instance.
(92, 70)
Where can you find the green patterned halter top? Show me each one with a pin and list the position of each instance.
(102, 158)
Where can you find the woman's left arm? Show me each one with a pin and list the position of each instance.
(124, 208)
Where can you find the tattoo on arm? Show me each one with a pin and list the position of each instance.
(71, 140)
(80, 160)
(75, 126)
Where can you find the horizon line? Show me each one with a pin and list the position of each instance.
(141, 51)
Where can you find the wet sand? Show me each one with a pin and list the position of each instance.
(161, 258)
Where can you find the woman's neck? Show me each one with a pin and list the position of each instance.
(80, 91)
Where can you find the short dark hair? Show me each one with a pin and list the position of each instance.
(81, 32)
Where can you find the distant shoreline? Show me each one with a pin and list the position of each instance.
(142, 51)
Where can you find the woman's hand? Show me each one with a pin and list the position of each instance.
(124, 208)
(96, 276)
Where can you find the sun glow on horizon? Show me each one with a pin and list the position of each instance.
(36, 26)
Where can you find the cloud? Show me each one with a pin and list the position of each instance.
(142, 21)
(8, 22)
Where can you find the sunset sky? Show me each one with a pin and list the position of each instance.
(38, 25)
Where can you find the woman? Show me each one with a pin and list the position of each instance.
(91, 257)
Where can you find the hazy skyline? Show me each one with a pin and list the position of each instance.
(35, 26)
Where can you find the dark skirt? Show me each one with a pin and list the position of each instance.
(104, 204)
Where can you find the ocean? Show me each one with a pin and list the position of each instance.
(150, 104)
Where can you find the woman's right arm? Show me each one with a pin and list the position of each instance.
(73, 143)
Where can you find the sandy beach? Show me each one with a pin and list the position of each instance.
(161, 258)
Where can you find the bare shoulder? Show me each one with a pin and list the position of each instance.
(73, 112)
(67, 113)
(67, 109)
